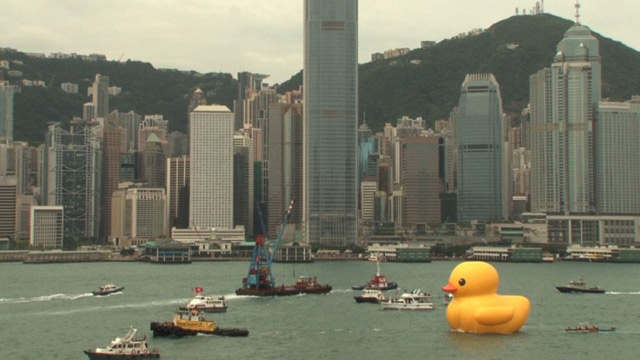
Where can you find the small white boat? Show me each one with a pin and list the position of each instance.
(210, 304)
(128, 347)
(370, 296)
(415, 300)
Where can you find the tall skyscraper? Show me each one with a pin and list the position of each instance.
(153, 162)
(331, 121)
(243, 181)
(617, 164)
(71, 178)
(100, 93)
(480, 139)
(285, 165)
(178, 172)
(564, 100)
(211, 190)
(112, 138)
(6, 112)
(419, 176)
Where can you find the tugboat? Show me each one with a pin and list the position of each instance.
(210, 304)
(128, 347)
(379, 282)
(579, 286)
(371, 296)
(107, 289)
(188, 322)
(260, 280)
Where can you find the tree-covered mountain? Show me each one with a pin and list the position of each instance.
(426, 82)
(145, 90)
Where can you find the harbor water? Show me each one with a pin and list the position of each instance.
(48, 312)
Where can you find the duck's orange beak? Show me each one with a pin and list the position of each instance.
(449, 288)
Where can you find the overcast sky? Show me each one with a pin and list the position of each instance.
(264, 36)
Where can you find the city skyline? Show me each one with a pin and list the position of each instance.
(252, 40)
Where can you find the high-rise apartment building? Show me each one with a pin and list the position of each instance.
(6, 112)
(248, 85)
(211, 190)
(8, 206)
(100, 96)
(331, 121)
(564, 100)
(368, 190)
(47, 227)
(285, 165)
(617, 164)
(482, 170)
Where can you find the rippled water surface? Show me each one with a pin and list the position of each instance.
(48, 312)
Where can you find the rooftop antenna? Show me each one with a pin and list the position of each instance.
(577, 12)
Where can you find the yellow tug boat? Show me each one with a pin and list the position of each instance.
(191, 322)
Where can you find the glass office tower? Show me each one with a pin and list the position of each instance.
(330, 121)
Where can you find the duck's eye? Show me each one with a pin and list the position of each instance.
(462, 282)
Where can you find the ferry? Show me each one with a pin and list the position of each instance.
(128, 347)
(209, 304)
(415, 300)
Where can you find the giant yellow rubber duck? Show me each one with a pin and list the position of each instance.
(476, 306)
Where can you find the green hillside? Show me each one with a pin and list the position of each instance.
(395, 87)
(389, 88)
(145, 90)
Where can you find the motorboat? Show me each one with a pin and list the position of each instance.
(579, 286)
(414, 300)
(128, 347)
(585, 327)
(379, 282)
(370, 296)
(447, 298)
(107, 289)
(210, 304)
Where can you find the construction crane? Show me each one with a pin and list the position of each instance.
(260, 275)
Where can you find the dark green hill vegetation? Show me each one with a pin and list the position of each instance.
(389, 88)
(145, 90)
(395, 87)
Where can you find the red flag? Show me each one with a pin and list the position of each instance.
(198, 289)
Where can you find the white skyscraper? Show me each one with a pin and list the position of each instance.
(211, 143)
